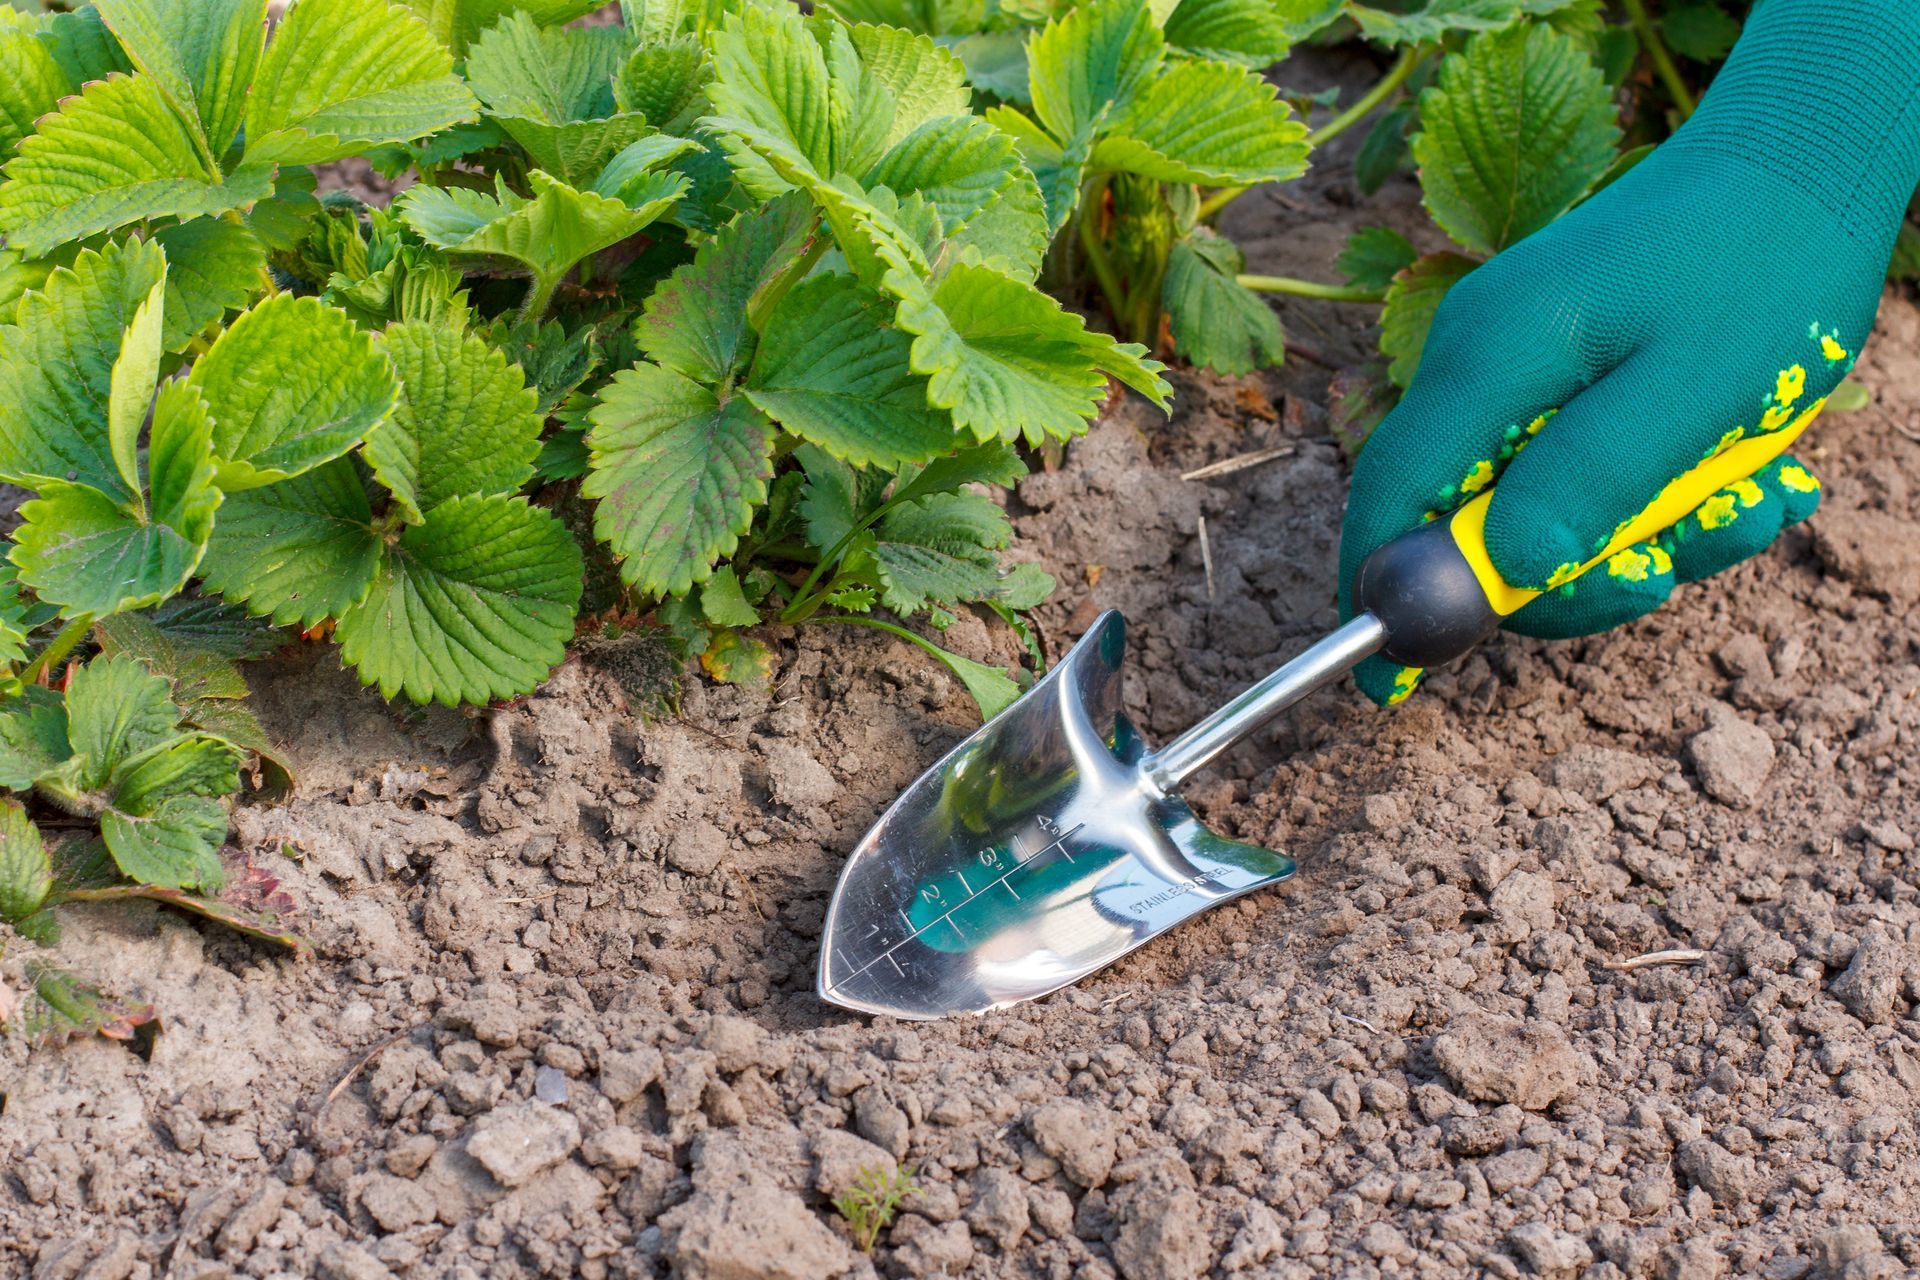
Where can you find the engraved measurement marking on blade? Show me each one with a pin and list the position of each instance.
(1059, 841)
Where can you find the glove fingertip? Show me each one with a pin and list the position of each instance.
(1798, 487)
(1387, 683)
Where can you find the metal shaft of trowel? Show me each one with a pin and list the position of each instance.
(1324, 663)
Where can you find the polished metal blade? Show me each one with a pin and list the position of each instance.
(1042, 848)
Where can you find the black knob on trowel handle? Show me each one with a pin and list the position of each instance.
(1426, 597)
(1436, 593)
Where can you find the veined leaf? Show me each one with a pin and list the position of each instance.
(991, 689)
(1253, 33)
(466, 422)
(163, 825)
(299, 551)
(64, 1006)
(1205, 122)
(57, 363)
(547, 234)
(633, 178)
(940, 550)
(665, 83)
(928, 17)
(82, 45)
(908, 79)
(1011, 233)
(554, 74)
(996, 463)
(26, 872)
(1216, 321)
(958, 164)
(1007, 360)
(836, 496)
(1374, 256)
(723, 603)
(202, 53)
(117, 710)
(474, 603)
(1100, 53)
(695, 323)
(996, 63)
(31, 82)
(33, 736)
(213, 267)
(1512, 134)
(1442, 17)
(771, 75)
(292, 384)
(678, 473)
(456, 23)
(81, 550)
(115, 154)
(833, 370)
(344, 75)
(1056, 168)
(1411, 302)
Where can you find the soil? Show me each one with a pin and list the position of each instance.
(560, 1016)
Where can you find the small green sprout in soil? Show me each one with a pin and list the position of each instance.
(875, 1196)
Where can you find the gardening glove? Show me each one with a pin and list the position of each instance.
(1717, 292)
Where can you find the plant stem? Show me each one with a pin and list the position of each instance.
(539, 295)
(803, 603)
(1387, 88)
(56, 650)
(1103, 273)
(1310, 289)
(769, 298)
(1663, 63)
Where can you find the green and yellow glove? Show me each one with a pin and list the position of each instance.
(1716, 293)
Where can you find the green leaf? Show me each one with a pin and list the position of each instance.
(996, 63)
(666, 83)
(961, 165)
(1411, 302)
(1443, 17)
(1384, 151)
(213, 267)
(992, 690)
(836, 496)
(81, 550)
(113, 155)
(31, 82)
(678, 473)
(299, 551)
(1024, 586)
(1513, 132)
(696, 322)
(59, 361)
(117, 711)
(345, 75)
(33, 736)
(1056, 169)
(474, 603)
(456, 23)
(1204, 122)
(556, 74)
(63, 1007)
(552, 91)
(1007, 360)
(732, 658)
(176, 841)
(1374, 256)
(1217, 322)
(1253, 33)
(466, 421)
(1703, 32)
(771, 76)
(833, 370)
(204, 625)
(939, 550)
(1098, 54)
(994, 464)
(26, 872)
(202, 53)
(82, 45)
(723, 603)
(907, 80)
(292, 384)
(547, 234)
(929, 17)
(632, 176)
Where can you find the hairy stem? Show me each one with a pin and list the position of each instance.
(540, 296)
(56, 651)
(1388, 88)
(1311, 289)
(769, 297)
(1663, 63)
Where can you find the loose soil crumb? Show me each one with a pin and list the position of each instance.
(574, 948)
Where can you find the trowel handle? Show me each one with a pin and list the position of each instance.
(1435, 590)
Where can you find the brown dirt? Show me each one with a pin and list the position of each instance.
(574, 949)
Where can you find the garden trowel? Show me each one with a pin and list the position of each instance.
(1053, 841)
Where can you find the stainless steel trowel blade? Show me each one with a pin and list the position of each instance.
(1035, 853)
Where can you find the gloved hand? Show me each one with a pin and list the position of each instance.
(1719, 290)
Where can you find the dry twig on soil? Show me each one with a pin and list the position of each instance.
(1682, 955)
